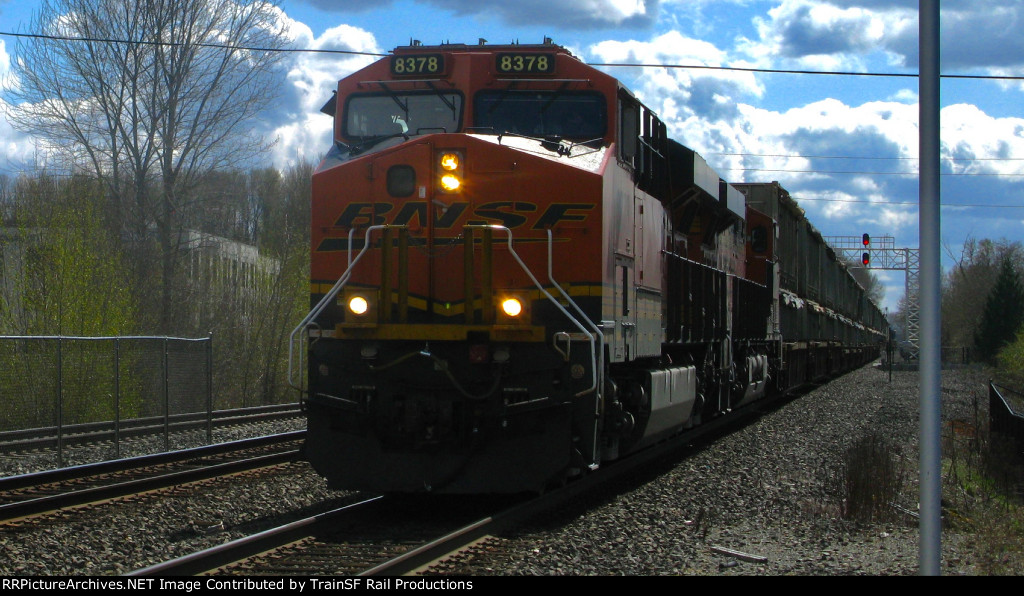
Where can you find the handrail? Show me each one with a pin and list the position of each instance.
(526, 270)
(324, 302)
(1005, 417)
(1002, 391)
(599, 364)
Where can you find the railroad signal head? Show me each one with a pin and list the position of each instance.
(866, 239)
(865, 259)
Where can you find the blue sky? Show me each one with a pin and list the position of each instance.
(750, 126)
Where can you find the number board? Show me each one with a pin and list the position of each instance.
(418, 64)
(525, 63)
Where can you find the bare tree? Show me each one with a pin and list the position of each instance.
(149, 96)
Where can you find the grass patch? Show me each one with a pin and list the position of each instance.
(872, 476)
(983, 488)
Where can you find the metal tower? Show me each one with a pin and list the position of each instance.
(866, 252)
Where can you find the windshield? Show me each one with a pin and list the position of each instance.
(572, 115)
(383, 114)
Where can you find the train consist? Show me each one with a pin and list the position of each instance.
(517, 277)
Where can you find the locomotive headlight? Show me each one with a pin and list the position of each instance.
(450, 171)
(450, 182)
(450, 162)
(358, 305)
(512, 307)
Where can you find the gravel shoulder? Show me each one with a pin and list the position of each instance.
(769, 490)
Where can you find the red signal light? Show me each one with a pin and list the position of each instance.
(866, 239)
(865, 259)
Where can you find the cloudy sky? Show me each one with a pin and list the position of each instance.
(845, 146)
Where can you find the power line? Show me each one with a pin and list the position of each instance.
(636, 65)
(861, 173)
(845, 73)
(975, 205)
(217, 46)
(594, 64)
(792, 156)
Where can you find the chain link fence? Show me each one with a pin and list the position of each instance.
(66, 385)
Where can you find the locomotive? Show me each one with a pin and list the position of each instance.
(517, 277)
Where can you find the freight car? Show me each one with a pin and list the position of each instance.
(518, 277)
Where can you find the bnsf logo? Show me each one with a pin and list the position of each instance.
(511, 214)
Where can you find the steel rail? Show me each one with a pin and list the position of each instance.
(14, 440)
(242, 548)
(117, 489)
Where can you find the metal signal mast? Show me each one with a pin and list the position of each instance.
(880, 252)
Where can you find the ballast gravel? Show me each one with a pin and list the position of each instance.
(759, 501)
(763, 500)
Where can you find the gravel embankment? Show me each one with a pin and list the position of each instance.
(767, 490)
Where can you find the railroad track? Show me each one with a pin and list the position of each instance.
(379, 536)
(375, 544)
(373, 536)
(32, 494)
(93, 432)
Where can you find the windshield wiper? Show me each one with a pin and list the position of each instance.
(394, 96)
(447, 102)
(555, 95)
(501, 98)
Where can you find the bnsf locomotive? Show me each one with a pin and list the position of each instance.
(517, 277)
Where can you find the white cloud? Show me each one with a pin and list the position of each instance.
(314, 75)
(905, 96)
(300, 130)
(970, 134)
(302, 140)
(810, 34)
(18, 149)
(845, 33)
(5, 61)
(680, 93)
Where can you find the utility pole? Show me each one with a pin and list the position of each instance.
(930, 364)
